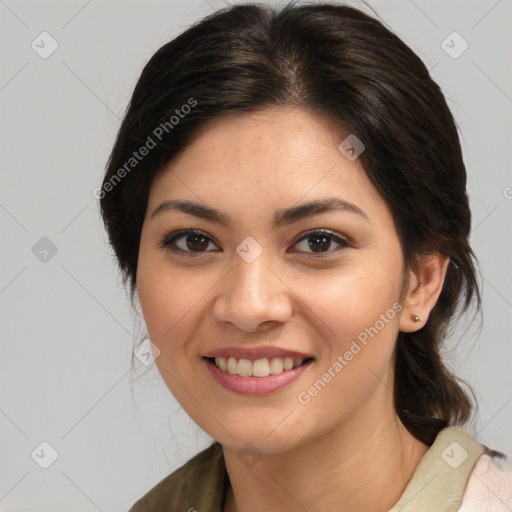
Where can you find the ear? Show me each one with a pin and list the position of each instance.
(425, 285)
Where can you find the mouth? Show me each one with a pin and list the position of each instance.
(262, 367)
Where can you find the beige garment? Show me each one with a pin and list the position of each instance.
(439, 481)
(437, 485)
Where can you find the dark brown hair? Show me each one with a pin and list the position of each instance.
(347, 67)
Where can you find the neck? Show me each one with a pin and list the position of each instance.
(364, 466)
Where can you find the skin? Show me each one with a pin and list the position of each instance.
(346, 449)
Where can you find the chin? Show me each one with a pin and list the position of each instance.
(263, 438)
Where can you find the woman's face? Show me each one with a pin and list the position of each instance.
(238, 280)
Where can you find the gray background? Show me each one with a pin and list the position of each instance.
(67, 327)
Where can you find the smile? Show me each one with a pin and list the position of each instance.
(258, 368)
(256, 377)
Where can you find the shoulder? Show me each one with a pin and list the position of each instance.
(489, 487)
(442, 477)
(198, 484)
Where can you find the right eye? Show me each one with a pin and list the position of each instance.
(186, 242)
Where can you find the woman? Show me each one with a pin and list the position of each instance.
(287, 200)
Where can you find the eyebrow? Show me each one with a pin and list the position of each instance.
(281, 217)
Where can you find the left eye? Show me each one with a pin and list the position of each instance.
(320, 241)
(194, 243)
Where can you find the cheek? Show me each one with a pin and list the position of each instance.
(167, 300)
(348, 301)
(357, 313)
(359, 347)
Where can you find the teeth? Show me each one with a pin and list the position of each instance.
(232, 365)
(259, 368)
(276, 365)
(244, 367)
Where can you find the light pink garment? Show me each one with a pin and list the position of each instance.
(489, 487)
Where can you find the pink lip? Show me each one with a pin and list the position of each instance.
(254, 353)
(255, 386)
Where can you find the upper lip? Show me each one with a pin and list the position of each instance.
(256, 353)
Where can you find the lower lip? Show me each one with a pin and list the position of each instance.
(255, 386)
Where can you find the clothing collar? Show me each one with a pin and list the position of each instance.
(437, 484)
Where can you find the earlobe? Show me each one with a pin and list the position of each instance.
(425, 286)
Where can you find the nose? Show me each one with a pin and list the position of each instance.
(253, 298)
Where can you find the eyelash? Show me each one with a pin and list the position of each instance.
(168, 241)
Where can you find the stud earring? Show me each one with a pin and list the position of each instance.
(414, 318)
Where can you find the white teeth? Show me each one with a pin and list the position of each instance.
(258, 368)
(244, 367)
(232, 365)
(276, 365)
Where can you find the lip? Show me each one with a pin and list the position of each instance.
(254, 353)
(255, 386)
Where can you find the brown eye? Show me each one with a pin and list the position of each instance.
(321, 241)
(187, 242)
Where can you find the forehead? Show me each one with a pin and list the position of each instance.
(278, 136)
(273, 158)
